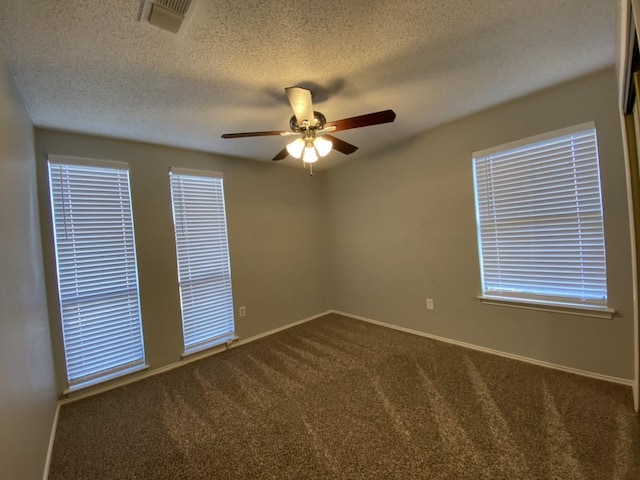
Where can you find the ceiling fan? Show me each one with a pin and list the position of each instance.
(312, 130)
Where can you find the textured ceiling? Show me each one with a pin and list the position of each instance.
(91, 66)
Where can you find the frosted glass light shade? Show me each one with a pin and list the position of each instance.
(295, 148)
(323, 146)
(310, 155)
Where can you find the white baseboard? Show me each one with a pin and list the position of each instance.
(512, 356)
(52, 437)
(186, 360)
(279, 329)
(196, 357)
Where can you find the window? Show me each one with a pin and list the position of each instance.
(204, 273)
(539, 214)
(96, 267)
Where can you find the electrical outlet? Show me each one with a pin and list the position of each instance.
(243, 311)
(430, 304)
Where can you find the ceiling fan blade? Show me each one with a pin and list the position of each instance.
(325, 130)
(253, 134)
(282, 154)
(301, 104)
(384, 116)
(341, 145)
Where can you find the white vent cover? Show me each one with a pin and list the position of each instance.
(168, 15)
(178, 7)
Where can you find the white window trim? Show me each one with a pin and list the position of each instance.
(535, 139)
(195, 173)
(124, 369)
(105, 378)
(87, 162)
(227, 337)
(544, 306)
(523, 301)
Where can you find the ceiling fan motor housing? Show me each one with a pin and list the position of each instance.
(319, 120)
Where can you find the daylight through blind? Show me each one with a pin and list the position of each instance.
(97, 273)
(540, 226)
(203, 258)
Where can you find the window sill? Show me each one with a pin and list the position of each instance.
(210, 347)
(580, 310)
(106, 378)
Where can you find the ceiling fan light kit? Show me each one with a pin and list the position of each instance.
(309, 146)
(313, 130)
(309, 155)
(296, 147)
(323, 146)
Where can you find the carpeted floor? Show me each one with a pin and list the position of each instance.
(336, 398)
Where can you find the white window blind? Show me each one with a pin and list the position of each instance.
(539, 214)
(96, 266)
(204, 273)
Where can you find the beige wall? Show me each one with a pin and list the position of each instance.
(276, 238)
(27, 384)
(373, 237)
(402, 228)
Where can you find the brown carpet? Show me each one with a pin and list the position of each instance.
(339, 398)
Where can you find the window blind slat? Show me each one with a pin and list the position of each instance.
(97, 273)
(540, 226)
(204, 273)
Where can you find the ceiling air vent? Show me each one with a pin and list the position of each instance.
(166, 14)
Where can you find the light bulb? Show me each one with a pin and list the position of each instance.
(310, 155)
(323, 146)
(295, 148)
